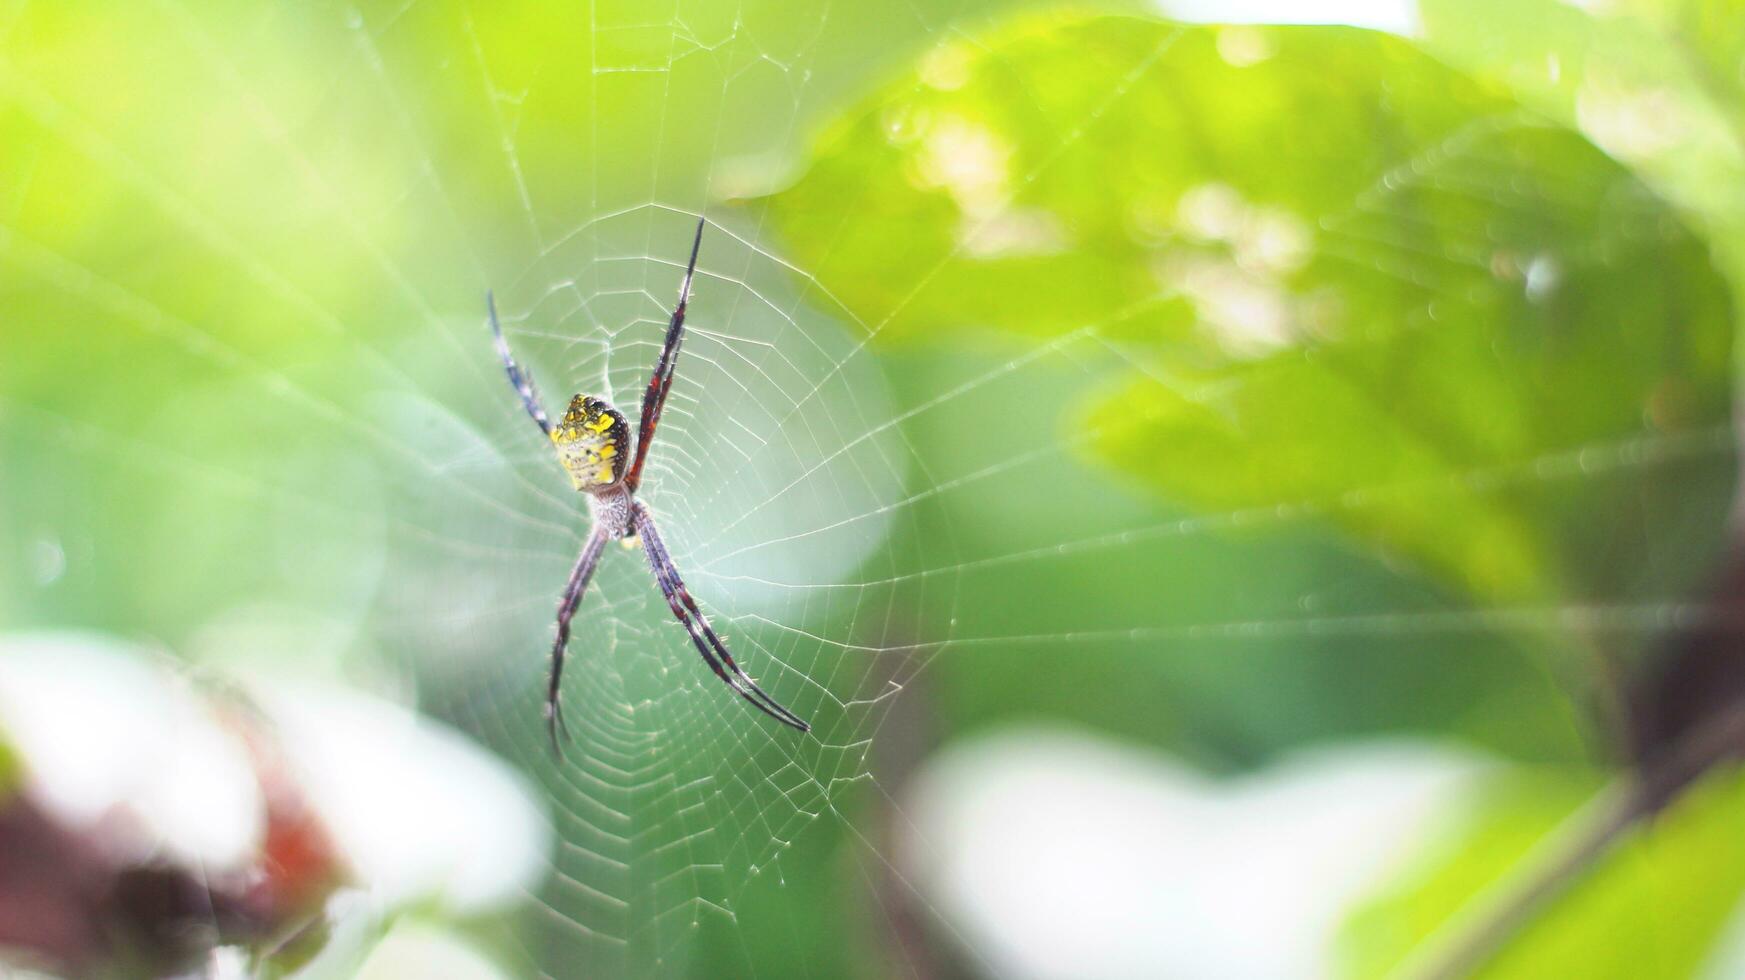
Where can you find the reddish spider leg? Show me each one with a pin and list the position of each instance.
(661, 381)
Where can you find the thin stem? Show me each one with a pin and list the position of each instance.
(1577, 848)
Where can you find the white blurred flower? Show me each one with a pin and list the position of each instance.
(420, 812)
(1057, 854)
(127, 765)
(107, 740)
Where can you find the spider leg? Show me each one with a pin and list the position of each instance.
(708, 644)
(522, 381)
(654, 397)
(566, 609)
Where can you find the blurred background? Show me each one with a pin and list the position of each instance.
(1233, 498)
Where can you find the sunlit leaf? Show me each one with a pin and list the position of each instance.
(1645, 80)
(1712, 34)
(10, 771)
(1356, 284)
(1669, 886)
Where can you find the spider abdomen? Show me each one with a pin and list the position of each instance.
(593, 442)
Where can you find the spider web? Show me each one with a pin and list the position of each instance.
(812, 489)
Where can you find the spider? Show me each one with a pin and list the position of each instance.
(592, 442)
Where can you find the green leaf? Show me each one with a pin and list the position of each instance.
(1354, 282)
(1712, 34)
(1649, 82)
(1669, 885)
(1036, 180)
(11, 771)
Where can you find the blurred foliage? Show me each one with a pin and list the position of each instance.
(1354, 285)
(1644, 80)
(1419, 335)
(1388, 296)
(1669, 887)
(10, 771)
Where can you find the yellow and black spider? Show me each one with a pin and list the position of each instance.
(592, 444)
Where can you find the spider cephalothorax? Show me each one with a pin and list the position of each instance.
(593, 444)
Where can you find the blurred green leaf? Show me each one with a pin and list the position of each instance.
(10, 770)
(1712, 34)
(1043, 179)
(1356, 283)
(1646, 81)
(1670, 886)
